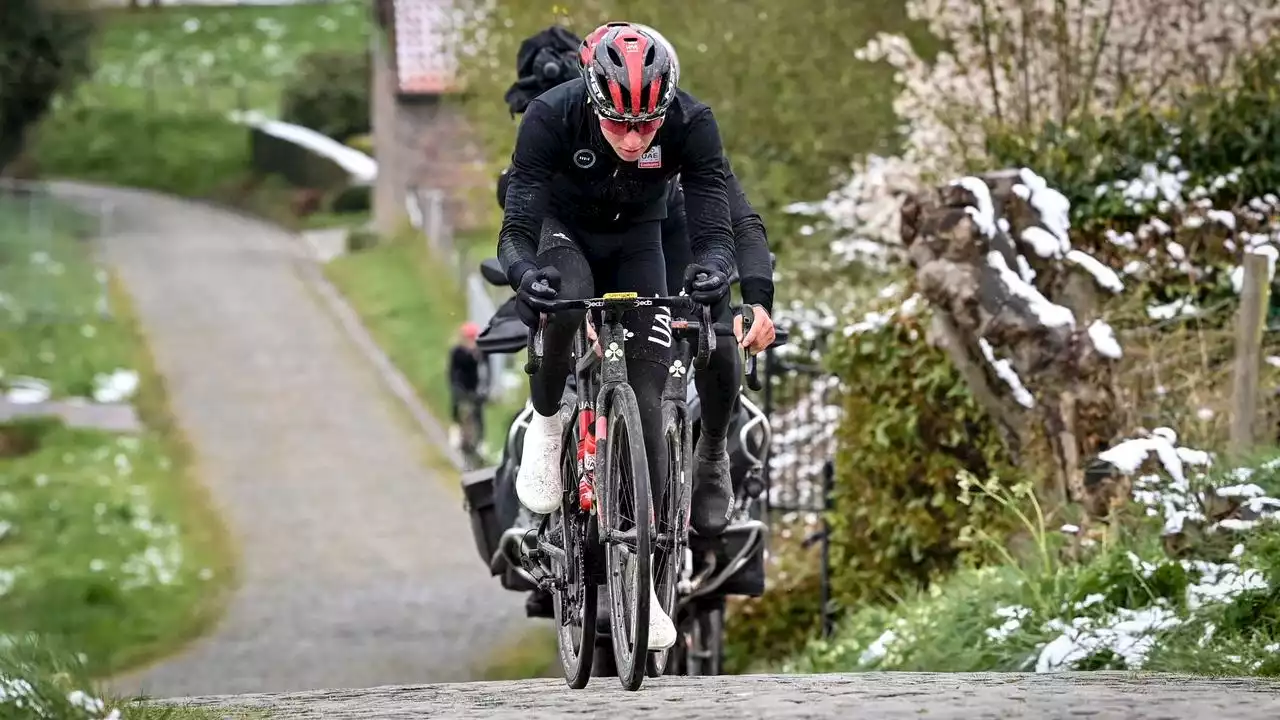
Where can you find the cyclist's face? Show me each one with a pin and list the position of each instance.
(629, 140)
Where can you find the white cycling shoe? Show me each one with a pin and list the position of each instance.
(662, 632)
(538, 481)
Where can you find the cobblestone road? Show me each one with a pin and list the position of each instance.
(837, 697)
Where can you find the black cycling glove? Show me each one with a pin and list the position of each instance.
(705, 284)
(536, 286)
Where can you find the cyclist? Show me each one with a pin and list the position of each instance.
(718, 386)
(584, 208)
(468, 380)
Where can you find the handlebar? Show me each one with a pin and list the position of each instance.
(683, 328)
(622, 302)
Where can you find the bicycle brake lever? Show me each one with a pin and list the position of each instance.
(706, 339)
(753, 370)
(534, 346)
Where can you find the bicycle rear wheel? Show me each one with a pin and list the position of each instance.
(626, 532)
(706, 641)
(668, 555)
(574, 603)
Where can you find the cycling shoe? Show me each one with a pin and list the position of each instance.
(712, 500)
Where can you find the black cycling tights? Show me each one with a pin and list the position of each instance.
(718, 387)
(590, 264)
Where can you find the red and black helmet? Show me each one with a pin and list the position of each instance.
(631, 74)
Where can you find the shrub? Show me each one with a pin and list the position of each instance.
(777, 624)
(363, 143)
(45, 46)
(353, 199)
(192, 155)
(295, 163)
(909, 427)
(330, 94)
(1212, 134)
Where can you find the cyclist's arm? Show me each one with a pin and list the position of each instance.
(504, 179)
(539, 146)
(706, 200)
(751, 247)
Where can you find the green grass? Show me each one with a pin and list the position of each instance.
(111, 550)
(201, 60)
(155, 113)
(41, 682)
(50, 298)
(413, 305)
(532, 655)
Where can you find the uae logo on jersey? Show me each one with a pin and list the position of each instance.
(652, 158)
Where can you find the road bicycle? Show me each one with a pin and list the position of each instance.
(603, 532)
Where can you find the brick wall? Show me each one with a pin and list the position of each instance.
(423, 141)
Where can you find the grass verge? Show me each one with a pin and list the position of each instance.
(155, 113)
(110, 550)
(413, 304)
(42, 683)
(532, 655)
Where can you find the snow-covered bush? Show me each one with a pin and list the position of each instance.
(1139, 601)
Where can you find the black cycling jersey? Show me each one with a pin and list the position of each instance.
(751, 244)
(750, 241)
(563, 166)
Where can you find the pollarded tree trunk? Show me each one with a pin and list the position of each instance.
(1017, 310)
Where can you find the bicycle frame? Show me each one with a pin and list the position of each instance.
(593, 391)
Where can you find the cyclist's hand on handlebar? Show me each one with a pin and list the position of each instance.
(704, 284)
(536, 286)
(762, 332)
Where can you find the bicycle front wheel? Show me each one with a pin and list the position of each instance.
(627, 523)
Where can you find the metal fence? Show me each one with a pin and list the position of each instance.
(801, 400)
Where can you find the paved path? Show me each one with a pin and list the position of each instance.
(883, 696)
(358, 567)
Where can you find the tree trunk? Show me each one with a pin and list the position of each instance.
(1013, 314)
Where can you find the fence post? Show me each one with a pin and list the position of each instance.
(824, 579)
(1250, 322)
(770, 367)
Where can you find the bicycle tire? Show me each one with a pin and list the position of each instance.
(627, 473)
(706, 642)
(576, 654)
(671, 521)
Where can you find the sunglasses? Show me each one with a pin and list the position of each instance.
(622, 127)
